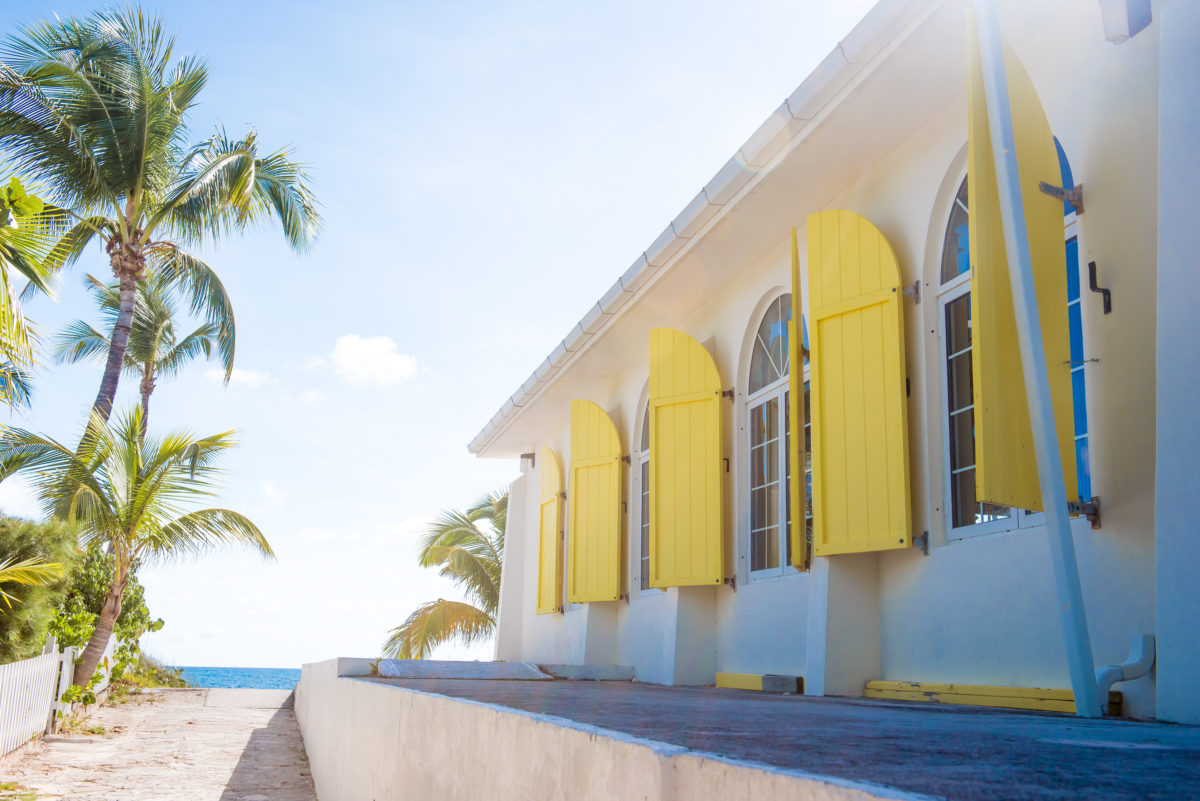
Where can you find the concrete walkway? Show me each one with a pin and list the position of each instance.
(191, 745)
(958, 753)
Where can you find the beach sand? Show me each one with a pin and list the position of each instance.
(190, 745)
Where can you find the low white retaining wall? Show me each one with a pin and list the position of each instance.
(374, 741)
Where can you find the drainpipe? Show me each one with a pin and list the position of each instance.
(1141, 659)
(1033, 363)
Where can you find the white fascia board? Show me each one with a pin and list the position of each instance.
(830, 77)
(526, 391)
(694, 216)
(887, 20)
(575, 340)
(770, 138)
(544, 371)
(616, 297)
(558, 356)
(594, 320)
(663, 248)
(728, 181)
(637, 275)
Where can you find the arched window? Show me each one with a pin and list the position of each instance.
(769, 427)
(643, 462)
(968, 516)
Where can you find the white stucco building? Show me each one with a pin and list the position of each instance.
(966, 593)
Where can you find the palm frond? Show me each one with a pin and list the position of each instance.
(435, 623)
(175, 268)
(33, 571)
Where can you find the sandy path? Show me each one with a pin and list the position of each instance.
(177, 745)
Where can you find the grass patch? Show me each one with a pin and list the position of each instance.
(11, 791)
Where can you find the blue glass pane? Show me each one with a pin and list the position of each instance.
(804, 337)
(962, 251)
(1083, 469)
(1072, 269)
(1064, 168)
(1075, 321)
(1079, 395)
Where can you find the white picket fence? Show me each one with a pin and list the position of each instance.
(31, 692)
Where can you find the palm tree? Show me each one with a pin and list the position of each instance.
(28, 232)
(130, 493)
(35, 572)
(95, 109)
(154, 350)
(469, 548)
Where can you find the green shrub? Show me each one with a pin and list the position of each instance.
(23, 628)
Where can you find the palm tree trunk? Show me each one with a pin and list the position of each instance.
(146, 388)
(117, 346)
(110, 610)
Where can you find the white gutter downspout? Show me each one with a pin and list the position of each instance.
(1033, 362)
(1141, 659)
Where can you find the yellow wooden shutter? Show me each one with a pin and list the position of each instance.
(797, 487)
(686, 523)
(549, 587)
(1005, 463)
(594, 506)
(857, 382)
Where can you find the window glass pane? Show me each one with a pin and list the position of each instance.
(1072, 269)
(644, 578)
(956, 255)
(1083, 468)
(764, 422)
(646, 429)
(959, 381)
(1064, 169)
(764, 464)
(962, 440)
(1079, 398)
(1075, 321)
(958, 325)
(769, 359)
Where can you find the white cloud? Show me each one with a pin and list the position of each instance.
(328, 535)
(17, 498)
(369, 360)
(250, 378)
(272, 493)
(312, 396)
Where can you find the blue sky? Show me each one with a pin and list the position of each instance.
(486, 171)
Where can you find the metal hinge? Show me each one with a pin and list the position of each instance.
(922, 541)
(1089, 509)
(731, 582)
(727, 393)
(913, 291)
(1073, 196)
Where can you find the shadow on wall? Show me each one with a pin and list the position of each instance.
(273, 765)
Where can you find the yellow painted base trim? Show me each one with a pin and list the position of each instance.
(1035, 698)
(740, 681)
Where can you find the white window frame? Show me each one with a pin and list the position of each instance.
(638, 568)
(777, 390)
(1019, 519)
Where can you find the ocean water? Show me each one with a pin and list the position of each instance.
(255, 678)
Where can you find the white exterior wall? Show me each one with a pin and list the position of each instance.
(978, 610)
(1178, 385)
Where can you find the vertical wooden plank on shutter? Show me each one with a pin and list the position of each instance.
(593, 506)
(1005, 463)
(686, 511)
(797, 486)
(549, 587)
(857, 388)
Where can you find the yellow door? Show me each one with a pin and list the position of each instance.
(594, 506)
(686, 524)
(1005, 463)
(857, 388)
(549, 587)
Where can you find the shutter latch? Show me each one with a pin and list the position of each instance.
(1089, 509)
(1073, 196)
